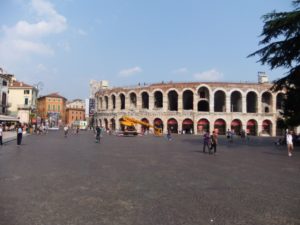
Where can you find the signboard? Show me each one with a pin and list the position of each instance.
(91, 106)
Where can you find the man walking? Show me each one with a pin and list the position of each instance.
(214, 142)
(289, 142)
(1, 134)
(98, 134)
(19, 135)
(206, 141)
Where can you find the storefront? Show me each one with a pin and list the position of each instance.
(173, 126)
(220, 126)
(187, 126)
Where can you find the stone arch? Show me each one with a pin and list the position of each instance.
(220, 101)
(101, 102)
(203, 126)
(236, 101)
(220, 126)
(280, 101)
(266, 100)
(280, 127)
(158, 122)
(106, 124)
(252, 127)
(158, 99)
(113, 124)
(122, 101)
(236, 126)
(172, 124)
(106, 101)
(187, 126)
(267, 127)
(203, 106)
(132, 100)
(251, 102)
(188, 99)
(203, 92)
(145, 100)
(144, 129)
(113, 100)
(172, 100)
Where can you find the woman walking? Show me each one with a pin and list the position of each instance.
(289, 142)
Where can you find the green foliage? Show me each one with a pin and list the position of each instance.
(281, 40)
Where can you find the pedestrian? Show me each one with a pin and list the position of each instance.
(19, 135)
(169, 135)
(66, 129)
(98, 134)
(206, 142)
(289, 142)
(214, 142)
(1, 134)
(77, 130)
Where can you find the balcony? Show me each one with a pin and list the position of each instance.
(28, 107)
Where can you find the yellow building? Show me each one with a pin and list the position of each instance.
(22, 99)
(52, 109)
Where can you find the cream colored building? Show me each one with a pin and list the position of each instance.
(76, 104)
(22, 99)
(194, 107)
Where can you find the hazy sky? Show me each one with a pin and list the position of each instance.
(66, 43)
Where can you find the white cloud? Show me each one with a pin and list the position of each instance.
(81, 32)
(180, 70)
(130, 71)
(210, 75)
(25, 38)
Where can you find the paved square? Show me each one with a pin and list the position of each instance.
(52, 180)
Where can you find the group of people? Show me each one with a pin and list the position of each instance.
(210, 142)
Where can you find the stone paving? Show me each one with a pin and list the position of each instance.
(52, 180)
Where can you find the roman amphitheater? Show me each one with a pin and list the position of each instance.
(193, 107)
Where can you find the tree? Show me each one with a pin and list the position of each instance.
(281, 40)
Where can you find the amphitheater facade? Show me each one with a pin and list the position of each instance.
(193, 107)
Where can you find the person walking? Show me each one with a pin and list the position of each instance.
(206, 142)
(169, 135)
(98, 134)
(19, 135)
(1, 134)
(289, 142)
(66, 129)
(214, 142)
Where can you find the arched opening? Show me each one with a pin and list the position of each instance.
(158, 99)
(122, 101)
(106, 102)
(188, 100)
(220, 99)
(203, 93)
(266, 102)
(203, 126)
(113, 124)
(236, 101)
(101, 103)
(279, 101)
(251, 102)
(203, 106)
(236, 126)
(158, 123)
(113, 100)
(220, 126)
(173, 126)
(100, 123)
(106, 124)
(252, 127)
(145, 129)
(173, 101)
(133, 100)
(280, 127)
(187, 126)
(145, 100)
(122, 127)
(267, 127)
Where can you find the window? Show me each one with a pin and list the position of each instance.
(26, 101)
(26, 92)
(53, 107)
(49, 107)
(58, 107)
(4, 83)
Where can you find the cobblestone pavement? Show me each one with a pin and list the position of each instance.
(52, 180)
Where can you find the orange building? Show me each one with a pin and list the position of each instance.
(73, 114)
(52, 109)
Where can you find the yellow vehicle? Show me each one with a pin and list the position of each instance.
(129, 126)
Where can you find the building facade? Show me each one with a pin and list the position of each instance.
(52, 109)
(22, 99)
(194, 107)
(75, 110)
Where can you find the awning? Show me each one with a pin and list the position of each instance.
(220, 122)
(236, 123)
(251, 123)
(187, 122)
(9, 118)
(203, 122)
(172, 122)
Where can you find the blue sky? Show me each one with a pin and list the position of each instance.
(66, 43)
